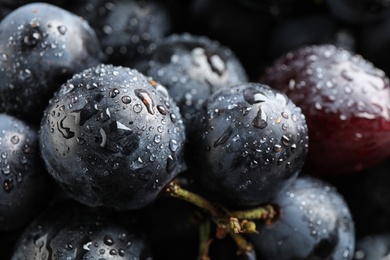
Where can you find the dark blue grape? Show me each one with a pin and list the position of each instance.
(127, 29)
(69, 230)
(41, 46)
(373, 247)
(192, 67)
(313, 222)
(112, 137)
(25, 187)
(247, 143)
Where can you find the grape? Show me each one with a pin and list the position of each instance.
(112, 138)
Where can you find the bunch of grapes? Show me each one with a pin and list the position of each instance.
(239, 129)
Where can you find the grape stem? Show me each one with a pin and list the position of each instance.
(205, 241)
(227, 222)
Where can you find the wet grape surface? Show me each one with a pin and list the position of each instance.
(171, 129)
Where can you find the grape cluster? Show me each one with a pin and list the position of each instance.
(238, 129)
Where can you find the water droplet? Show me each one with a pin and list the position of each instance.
(284, 115)
(40, 243)
(137, 108)
(6, 169)
(33, 38)
(224, 137)
(113, 252)
(277, 148)
(8, 185)
(68, 246)
(114, 92)
(146, 99)
(346, 75)
(15, 139)
(253, 164)
(285, 140)
(260, 121)
(87, 246)
(162, 110)
(3, 57)
(19, 177)
(121, 252)
(65, 131)
(104, 137)
(246, 111)
(108, 240)
(293, 147)
(126, 99)
(80, 140)
(157, 139)
(173, 118)
(62, 29)
(171, 164)
(93, 86)
(253, 96)
(173, 145)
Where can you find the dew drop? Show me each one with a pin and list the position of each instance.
(65, 131)
(224, 137)
(173, 118)
(293, 147)
(246, 111)
(108, 240)
(146, 99)
(104, 137)
(285, 140)
(114, 92)
(137, 108)
(171, 164)
(80, 140)
(253, 96)
(15, 139)
(126, 99)
(33, 38)
(173, 145)
(121, 252)
(6, 169)
(157, 139)
(3, 57)
(62, 29)
(162, 110)
(87, 246)
(260, 121)
(277, 148)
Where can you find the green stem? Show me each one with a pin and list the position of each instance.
(243, 245)
(267, 212)
(176, 191)
(205, 241)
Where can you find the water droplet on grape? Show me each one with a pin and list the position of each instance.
(114, 92)
(137, 108)
(146, 99)
(224, 137)
(260, 121)
(108, 240)
(15, 139)
(126, 99)
(62, 29)
(162, 110)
